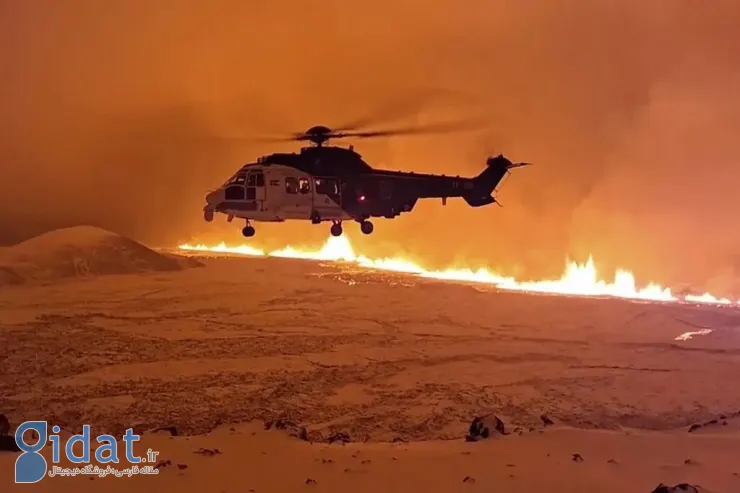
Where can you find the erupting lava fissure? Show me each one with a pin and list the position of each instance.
(577, 280)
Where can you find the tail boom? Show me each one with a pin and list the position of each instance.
(485, 183)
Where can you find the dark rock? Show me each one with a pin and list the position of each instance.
(485, 427)
(280, 424)
(611, 461)
(163, 463)
(398, 440)
(299, 432)
(366, 461)
(468, 479)
(311, 481)
(340, 437)
(546, 420)
(679, 488)
(172, 430)
(722, 416)
(712, 422)
(694, 427)
(4, 424)
(577, 458)
(327, 461)
(182, 467)
(690, 462)
(207, 452)
(293, 429)
(314, 436)
(7, 444)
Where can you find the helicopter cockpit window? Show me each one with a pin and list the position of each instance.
(304, 185)
(291, 185)
(237, 179)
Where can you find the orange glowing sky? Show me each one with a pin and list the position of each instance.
(115, 113)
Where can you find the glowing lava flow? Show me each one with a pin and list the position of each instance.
(578, 279)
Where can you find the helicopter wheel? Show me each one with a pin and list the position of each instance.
(366, 227)
(248, 231)
(336, 229)
(208, 215)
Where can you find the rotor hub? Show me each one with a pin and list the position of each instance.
(318, 134)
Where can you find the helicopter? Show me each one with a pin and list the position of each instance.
(326, 183)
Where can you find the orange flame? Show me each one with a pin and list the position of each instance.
(577, 280)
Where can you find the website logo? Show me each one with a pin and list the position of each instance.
(32, 467)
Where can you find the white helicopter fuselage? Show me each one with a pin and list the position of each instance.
(276, 193)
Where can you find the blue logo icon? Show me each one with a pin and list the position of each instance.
(31, 466)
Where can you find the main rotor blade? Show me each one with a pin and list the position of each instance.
(419, 130)
(407, 106)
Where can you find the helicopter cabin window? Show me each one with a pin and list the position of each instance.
(326, 186)
(304, 185)
(291, 185)
(260, 180)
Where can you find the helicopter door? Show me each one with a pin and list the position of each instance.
(330, 188)
(328, 197)
(256, 186)
(259, 183)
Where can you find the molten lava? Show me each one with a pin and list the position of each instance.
(577, 280)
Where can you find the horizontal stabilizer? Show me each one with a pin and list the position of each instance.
(478, 201)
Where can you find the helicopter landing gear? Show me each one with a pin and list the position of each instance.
(208, 215)
(315, 217)
(248, 230)
(336, 228)
(366, 227)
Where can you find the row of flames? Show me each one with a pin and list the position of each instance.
(577, 280)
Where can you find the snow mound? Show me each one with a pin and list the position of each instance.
(82, 251)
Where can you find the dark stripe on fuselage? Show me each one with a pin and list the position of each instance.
(232, 205)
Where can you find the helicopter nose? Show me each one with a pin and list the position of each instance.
(213, 198)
